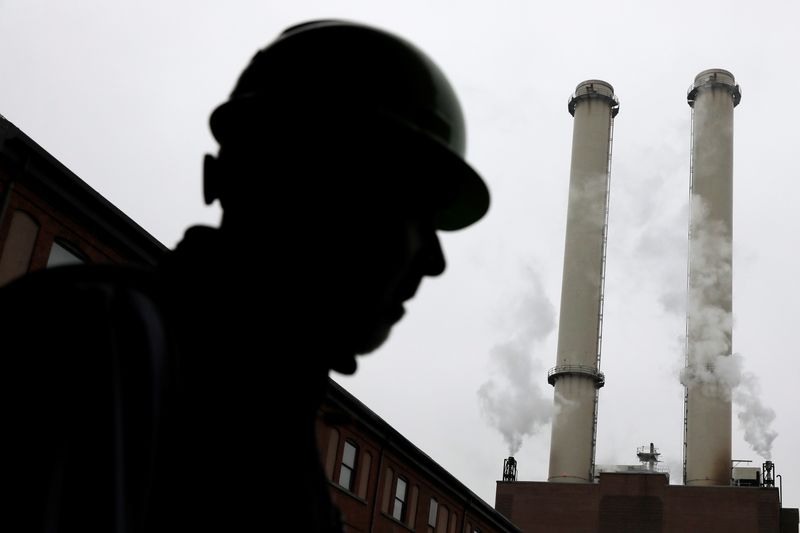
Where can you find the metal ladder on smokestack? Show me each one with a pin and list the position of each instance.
(688, 278)
(602, 292)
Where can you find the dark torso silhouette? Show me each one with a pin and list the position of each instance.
(163, 400)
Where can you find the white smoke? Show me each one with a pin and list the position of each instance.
(586, 211)
(512, 399)
(661, 249)
(709, 319)
(711, 369)
(754, 418)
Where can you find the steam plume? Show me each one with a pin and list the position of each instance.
(512, 399)
(709, 319)
(710, 368)
(754, 417)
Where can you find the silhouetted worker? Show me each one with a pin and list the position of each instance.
(184, 399)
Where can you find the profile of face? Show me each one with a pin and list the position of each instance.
(349, 237)
(385, 243)
(400, 248)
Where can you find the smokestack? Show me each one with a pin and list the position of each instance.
(510, 469)
(707, 409)
(576, 376)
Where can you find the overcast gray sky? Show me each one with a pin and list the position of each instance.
(121, 91)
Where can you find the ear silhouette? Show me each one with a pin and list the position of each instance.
(210, 179)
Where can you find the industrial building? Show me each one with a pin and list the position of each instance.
(580, 495)
(641, 503)
(383, 483)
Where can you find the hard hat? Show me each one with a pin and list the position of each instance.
(345, 75)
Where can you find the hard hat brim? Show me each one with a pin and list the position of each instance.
(469, 198)
(466, 198)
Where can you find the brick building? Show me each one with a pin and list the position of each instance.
(642, 503)
(383, 483)
(49, 216)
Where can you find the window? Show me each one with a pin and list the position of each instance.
(347, 471)
(433, 512)
(62, 254)
(399, 508)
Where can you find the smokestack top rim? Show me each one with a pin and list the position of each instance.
(719, 75)
(714, 77)
(594, 89)
(597, 86)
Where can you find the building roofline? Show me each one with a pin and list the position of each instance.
(394, 440)
(38, 169)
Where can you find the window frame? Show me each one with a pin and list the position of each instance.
(403, 501)
(350, 469)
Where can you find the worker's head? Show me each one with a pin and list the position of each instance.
(352, 141)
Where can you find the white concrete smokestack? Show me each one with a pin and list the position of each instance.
(576, 376)
(707, 423)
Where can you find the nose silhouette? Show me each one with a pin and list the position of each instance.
(435, 262)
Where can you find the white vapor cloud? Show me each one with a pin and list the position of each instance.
(512, 399)
(710, 323)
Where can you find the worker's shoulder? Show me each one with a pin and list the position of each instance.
(80, 278)
(79, 292)
(73, 321)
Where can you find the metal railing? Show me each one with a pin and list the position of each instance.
(592, 93)
(576, 370)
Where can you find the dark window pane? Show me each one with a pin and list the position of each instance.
(397, 512)
(400, 493)
(346, 478)
(349, 455)
(433, 512)
(60, 255)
